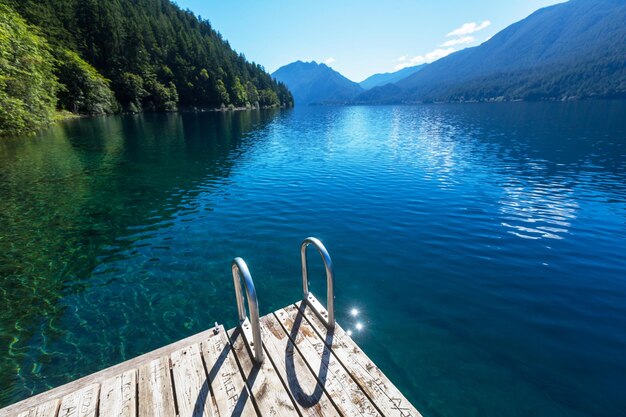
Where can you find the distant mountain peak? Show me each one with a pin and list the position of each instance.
(384, 78)
(316, 83)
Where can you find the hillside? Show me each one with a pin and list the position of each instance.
(570, 50)
(134, 55)
(381, 79)
(313, 83)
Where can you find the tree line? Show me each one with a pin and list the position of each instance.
(106, 56)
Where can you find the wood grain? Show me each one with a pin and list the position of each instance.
(49, 409)
(100, 376)
(81, 403)
(309, 394)
(268, 391)
(342, 389)
(118, 396)
(387, 398)
(156, 397)
(191, 385)
(231, 394)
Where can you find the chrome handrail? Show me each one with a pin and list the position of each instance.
(330, 276)
(240, 269)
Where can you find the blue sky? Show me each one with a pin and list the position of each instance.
(358, 38)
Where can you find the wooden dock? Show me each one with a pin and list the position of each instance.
(306, 366)
(308, 370)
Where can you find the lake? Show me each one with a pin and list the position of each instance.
(483, 244)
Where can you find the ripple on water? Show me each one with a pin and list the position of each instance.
(482, 245)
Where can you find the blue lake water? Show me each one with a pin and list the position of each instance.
(483, 244)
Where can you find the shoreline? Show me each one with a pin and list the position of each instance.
(61, 115)
(64, 115)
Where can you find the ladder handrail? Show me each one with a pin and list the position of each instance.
(330, 277)
(240, 270)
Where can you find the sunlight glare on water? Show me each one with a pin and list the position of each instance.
(479, 249)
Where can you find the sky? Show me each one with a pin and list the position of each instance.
(358, 38)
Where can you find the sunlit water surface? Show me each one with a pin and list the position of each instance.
(484, 246)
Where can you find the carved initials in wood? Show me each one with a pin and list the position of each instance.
(404, 412)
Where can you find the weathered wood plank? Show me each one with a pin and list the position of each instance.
(387, 398)
(100, 376)
(268, 392)
(118, 396)
(308, 371)
(345, 393)
(308, 393)
(191, 385)
(156, 397)
(231, 394)
(49, 409)
(81, 403)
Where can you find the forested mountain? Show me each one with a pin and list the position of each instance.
(570, 50)
(133, 55)
(313, 83)
(378, 80)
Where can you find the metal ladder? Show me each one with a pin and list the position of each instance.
(250, 326)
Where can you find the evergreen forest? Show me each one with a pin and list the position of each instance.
(107, 56)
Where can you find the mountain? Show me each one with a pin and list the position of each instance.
(135, 55)
(570, 50)
(313, 83)
(378, 80)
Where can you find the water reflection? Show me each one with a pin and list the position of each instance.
(75, 200)
(120, 232)
(537, 197)
(535, 211)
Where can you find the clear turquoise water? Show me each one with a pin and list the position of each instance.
(485, 245)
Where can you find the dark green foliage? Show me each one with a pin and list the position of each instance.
(131, 91)
(222, 93)
(268, 97)
(239, 95)
(161, 97)
(83, 89)
(157, 56)
(253, 94)
(27, 83)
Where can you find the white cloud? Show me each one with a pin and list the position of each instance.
(403, 65)
(461, 37)
(468, 28)
(329, 61)
(458, 41)
(425, 59)
(438, 53)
